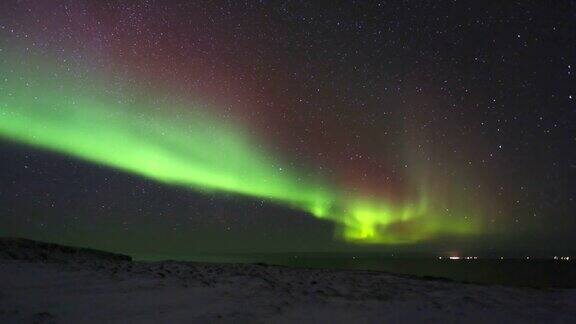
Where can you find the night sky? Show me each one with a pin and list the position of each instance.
(182, 127)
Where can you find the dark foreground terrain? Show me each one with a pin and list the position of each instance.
(48, 283)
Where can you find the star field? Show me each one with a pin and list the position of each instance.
(177, 127)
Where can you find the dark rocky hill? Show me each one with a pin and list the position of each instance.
(30, 250)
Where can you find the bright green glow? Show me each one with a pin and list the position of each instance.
(152, 138)
(370, 222)
(178, 143)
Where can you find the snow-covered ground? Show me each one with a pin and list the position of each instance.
(49, 284)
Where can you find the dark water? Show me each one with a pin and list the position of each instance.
(541, 273)
(514, 272)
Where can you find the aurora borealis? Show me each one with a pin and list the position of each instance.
(267, 104)
(193, 150)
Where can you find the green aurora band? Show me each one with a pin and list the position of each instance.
(179, 143)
